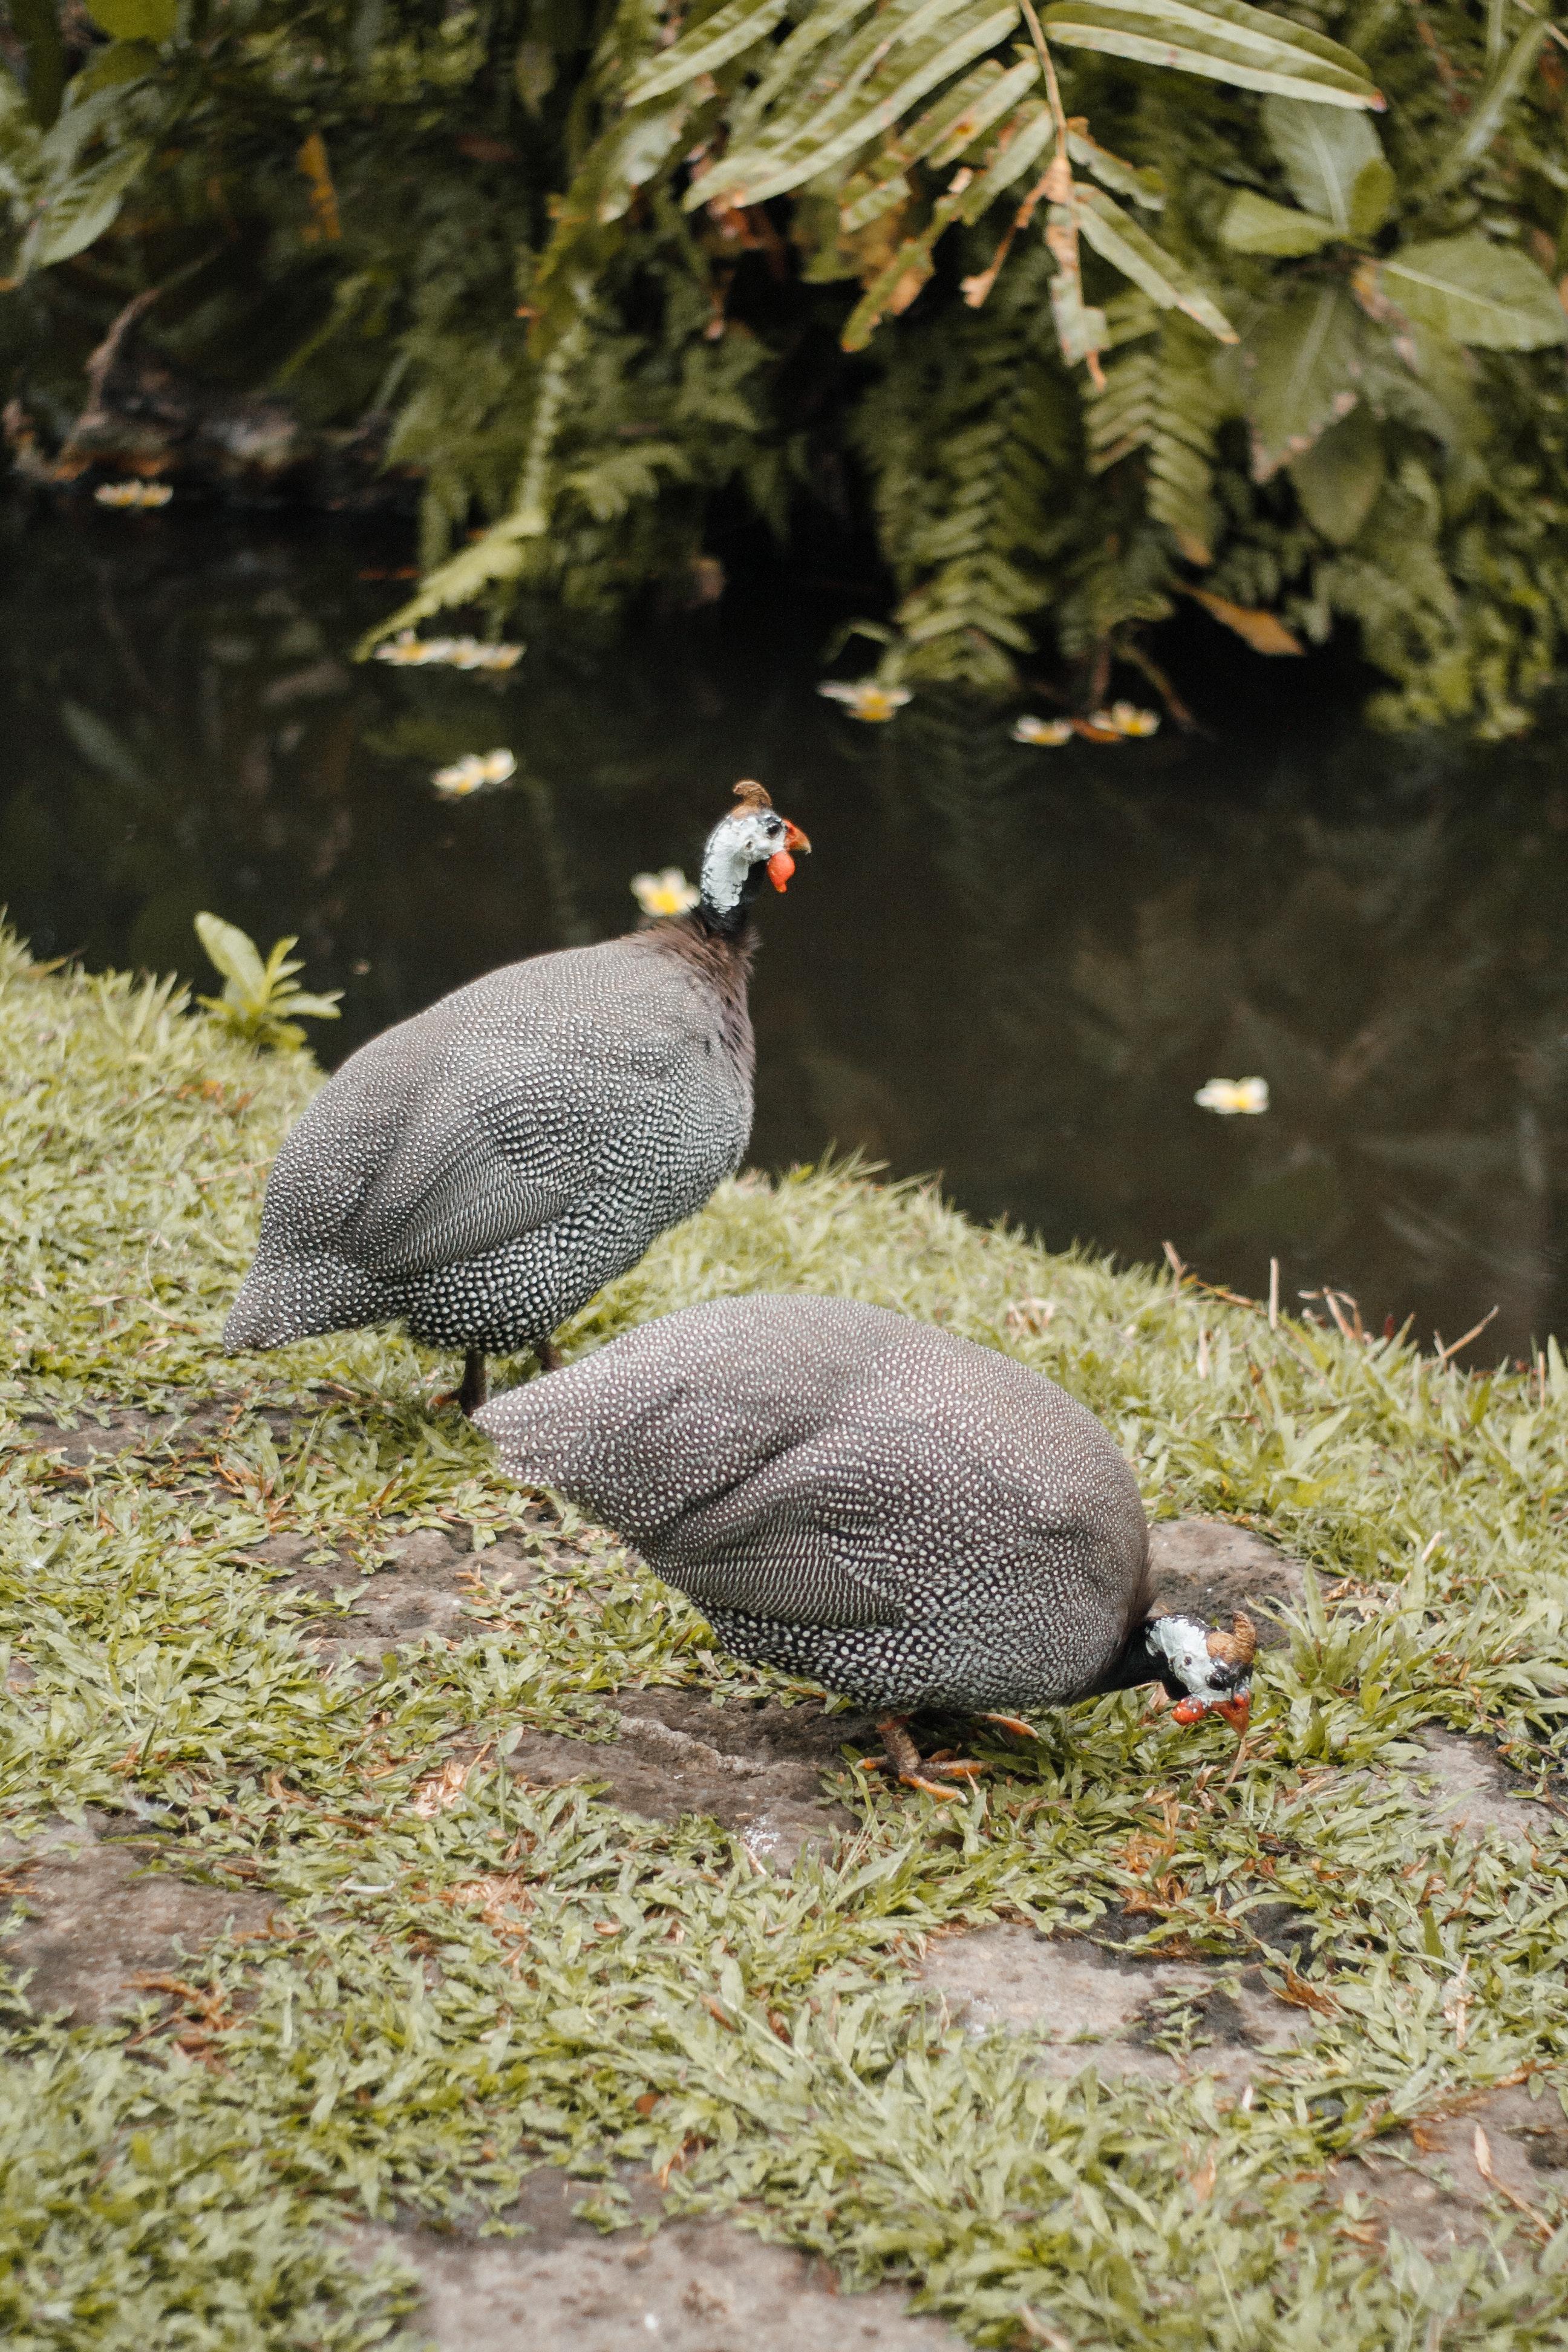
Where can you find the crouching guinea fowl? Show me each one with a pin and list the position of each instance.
(482, 1170)
(907, 1518)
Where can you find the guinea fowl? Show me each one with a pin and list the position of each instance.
(906, 1517)
(481, 1170)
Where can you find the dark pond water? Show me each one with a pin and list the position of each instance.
(1012, 966)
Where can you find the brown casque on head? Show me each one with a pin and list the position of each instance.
(1238, 1647)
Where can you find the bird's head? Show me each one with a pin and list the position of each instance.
(752, 841)
(1205, 1671)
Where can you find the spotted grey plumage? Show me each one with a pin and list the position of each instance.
(481, 1170)
(901, 1515)
(895, 1512)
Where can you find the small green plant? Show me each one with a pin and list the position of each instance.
(259, 1001)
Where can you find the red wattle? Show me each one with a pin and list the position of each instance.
(781, 865)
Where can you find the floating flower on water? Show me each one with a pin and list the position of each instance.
(459, 653)
(1230, 1096)
(867, 699)
(1042, 730)
(133, 494)
(416, 653)
(469, 652)
(667, 892)
(472, 773)
(1125, 719)
(405, 649)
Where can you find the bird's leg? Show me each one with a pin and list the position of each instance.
(549, 1355)
(475, 1391)
(904, 1759)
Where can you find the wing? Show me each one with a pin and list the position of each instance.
(794, 1564)
(465, 1175)
(517, 1114)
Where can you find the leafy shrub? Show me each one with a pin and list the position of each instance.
(259, 1001)
(1137, 299)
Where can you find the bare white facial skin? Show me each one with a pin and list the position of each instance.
(735, 845)
(1185, 1644)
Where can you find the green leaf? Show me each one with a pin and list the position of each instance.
(1372, 198)
(987, 105)
(631, 153)
(1431, 382)
(20, 139)
(1301, 367)
(1324, 151)
(534, 71)
(1140, 182)
(794, 152)
(135, 20)
(884, 197)
(1165, 403)
(1032, 133)
(960, 117)
(112, 68)
(97, 742)
(1222, 39)
(1476, 292)
(792, 62)
(911, 263)
(35, 24)
(1080, 325)
(1482, 126)
(82, 209)
(234, 953)
(1255, 223)
(1118, 239)
(735, 28)
(1340, 477)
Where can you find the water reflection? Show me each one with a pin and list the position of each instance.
(1013, 965)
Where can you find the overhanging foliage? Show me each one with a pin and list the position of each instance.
(1151, 295)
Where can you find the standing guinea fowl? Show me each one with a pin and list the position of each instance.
(904, 1517)
(482, 1170)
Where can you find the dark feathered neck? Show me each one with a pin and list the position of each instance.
(1135, 1662)
(723, 958)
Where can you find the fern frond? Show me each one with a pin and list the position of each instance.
(971, 437)
(1164, 402)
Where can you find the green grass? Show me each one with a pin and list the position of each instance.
(392, 2043)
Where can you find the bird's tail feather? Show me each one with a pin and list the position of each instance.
(295, 1299)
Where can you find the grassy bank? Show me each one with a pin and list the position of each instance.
(395, 2041)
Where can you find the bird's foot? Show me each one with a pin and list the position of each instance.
(903, 1759)
(1014, 1723)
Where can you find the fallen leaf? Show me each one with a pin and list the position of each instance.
(1306, 1995)
(1262, 631)
(440, 1790)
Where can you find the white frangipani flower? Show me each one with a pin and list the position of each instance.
(133, 494)
(1232, 1097)
(410, 652)
(473, 773)
(867, 699)
(667, 892)
(1125, 719)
